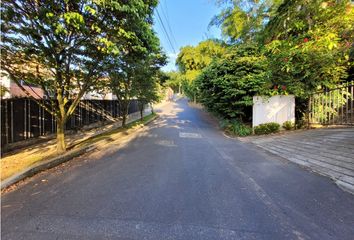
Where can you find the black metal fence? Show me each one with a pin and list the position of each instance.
(334, 106)
(23, 118)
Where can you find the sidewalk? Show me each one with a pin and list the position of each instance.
(21, 159)
(329, 152)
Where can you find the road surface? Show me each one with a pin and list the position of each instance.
(180, 179)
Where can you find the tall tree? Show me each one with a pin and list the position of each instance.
(243, 20)
(192, 60)
(123, 71)
(62, 46)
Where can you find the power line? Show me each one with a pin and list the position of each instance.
(165, 15)
(165, 31)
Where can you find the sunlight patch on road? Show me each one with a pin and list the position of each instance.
(189, 135)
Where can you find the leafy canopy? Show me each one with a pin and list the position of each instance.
(227, 86)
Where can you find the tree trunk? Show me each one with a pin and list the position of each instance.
(61, 146)
(124, 120)
(125, 110)
(141, 109)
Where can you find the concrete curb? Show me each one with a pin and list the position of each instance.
(36, 168)
(48, 164)
(345, 186)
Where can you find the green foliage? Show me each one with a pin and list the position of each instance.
(197, 58)
(3, 91)
(192, 60)
(228, 85)
(288, 125)
(308, 44)
(66, 47)
(235, 127)
(135, 74)
(174, 81)
(243, 20)
(146, 79)
(267, 128)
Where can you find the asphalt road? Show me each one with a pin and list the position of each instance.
(180, 179)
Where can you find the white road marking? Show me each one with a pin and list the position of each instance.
(189, 135)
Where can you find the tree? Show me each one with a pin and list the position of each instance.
(309, 44)
(174, 81)
(228, 85)
(139, 56)
(62, 46)
(147, 80)
(192, 60)
(243, 20)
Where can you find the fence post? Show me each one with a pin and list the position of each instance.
(25, 119)
(351, 104)
(309, 109)
(29, 119)
(12, 121)
(6, 124)
(52, 116)
(43, 118)
(39, 120)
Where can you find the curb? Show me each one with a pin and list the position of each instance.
(345, 186)
(48, 164)
(44, 166)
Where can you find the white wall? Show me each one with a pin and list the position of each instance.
(93, 95)
(6, 82)
(277, 109)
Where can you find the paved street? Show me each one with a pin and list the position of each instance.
(181, 179)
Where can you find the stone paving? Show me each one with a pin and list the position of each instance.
(329, 152)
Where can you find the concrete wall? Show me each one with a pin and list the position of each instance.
(277, 109)
(5, 82)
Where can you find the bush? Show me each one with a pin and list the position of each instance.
(236, 128)
(267, 128)
(227, 86)
(300, 124)
(288, 125)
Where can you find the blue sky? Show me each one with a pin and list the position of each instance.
(188, 20)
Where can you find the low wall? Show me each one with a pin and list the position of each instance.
(277, 109)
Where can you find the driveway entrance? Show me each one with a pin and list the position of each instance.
(329, 152)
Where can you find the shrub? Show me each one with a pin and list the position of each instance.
(300, 124)
(236, 128)
(267, 128)
(227, 85)
(288, 125)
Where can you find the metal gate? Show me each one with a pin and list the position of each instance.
(333, 106)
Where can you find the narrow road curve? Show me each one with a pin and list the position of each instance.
(180, 179)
